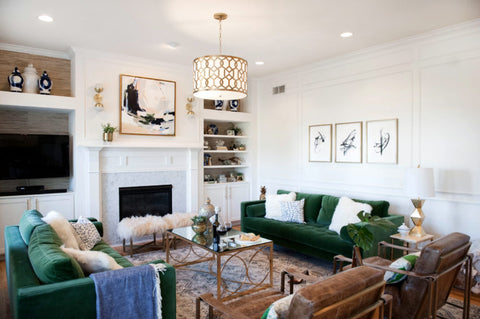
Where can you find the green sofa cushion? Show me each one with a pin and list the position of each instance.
(49, 262)
(329, 203)
(257, 210)
(30, 219)
(313, 202)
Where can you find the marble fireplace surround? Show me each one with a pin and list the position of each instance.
(112, 167)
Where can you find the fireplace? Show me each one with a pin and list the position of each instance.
(143, 200)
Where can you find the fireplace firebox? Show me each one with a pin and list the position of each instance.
(142, 200)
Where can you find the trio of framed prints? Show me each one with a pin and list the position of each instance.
(381, 142)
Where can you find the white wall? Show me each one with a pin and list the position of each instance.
(92, 67)
(429, 82)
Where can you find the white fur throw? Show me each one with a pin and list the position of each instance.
(92, 261)
(148, 225)
(63, 229)
(346, 213)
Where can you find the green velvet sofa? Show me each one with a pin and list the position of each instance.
(314, 238)
(63, 291)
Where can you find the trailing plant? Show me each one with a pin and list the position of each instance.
(359, 233)
(199, 219)
(107, 128)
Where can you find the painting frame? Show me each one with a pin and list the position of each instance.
(317, 153)
(348, 148)
(382, 148)
(141, 99)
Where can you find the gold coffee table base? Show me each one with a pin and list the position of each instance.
(219, 261)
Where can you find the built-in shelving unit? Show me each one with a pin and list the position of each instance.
(37, 101)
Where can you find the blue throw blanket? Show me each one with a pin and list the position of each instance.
(132, 292)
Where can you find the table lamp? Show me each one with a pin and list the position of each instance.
(419, 184)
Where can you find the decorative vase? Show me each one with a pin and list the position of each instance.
(30, 77)
(108, 137)
(15, 80)
(234, 105)
(45, 84)
(199, 228)
(219, 105)
(207, 209)
(213, 129)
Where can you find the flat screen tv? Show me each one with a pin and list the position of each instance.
(34, 156)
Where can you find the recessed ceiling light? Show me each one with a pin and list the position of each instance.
(172, 45)
(346, 34)
(259, 63)
(45, 18)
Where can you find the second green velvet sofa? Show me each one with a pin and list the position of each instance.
(314, 238)
(44, 282)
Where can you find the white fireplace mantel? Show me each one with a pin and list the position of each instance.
(96, 159)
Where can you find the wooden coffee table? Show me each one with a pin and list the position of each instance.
(245, 252)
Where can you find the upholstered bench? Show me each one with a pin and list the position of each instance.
(141, 226)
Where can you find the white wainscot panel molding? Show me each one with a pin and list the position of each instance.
(114, 161)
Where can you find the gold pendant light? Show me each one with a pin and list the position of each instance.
(220, 77)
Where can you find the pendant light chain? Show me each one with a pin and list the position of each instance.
(220, 35)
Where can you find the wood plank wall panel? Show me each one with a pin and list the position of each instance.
(58, 69)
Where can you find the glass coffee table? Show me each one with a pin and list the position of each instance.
(231, 264)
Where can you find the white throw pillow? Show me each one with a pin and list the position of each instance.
(87, 233)
(293, 211)
(346, 213)
(63, 229)
(272, 204)
(92, 261)
(279, 309)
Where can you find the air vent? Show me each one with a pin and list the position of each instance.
(278, 89)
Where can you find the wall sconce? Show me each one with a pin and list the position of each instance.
(98, 98)
(189, 107)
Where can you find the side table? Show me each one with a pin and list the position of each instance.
(410, 241)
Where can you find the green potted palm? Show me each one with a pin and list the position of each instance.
(108, 131)
(361, 236)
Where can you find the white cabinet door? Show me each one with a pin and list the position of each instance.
(237, 193)
(218, 197)
(61, 203)
(11, 210)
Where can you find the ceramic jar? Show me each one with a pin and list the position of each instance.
(15, 81)
(30, 77)
(218, 105)
(403, 230)
(234, 105)
(45, 84)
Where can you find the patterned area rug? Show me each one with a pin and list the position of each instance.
(192, 283)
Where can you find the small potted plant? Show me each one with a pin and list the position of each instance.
(199, 224)
(108, 132)
(236, 129)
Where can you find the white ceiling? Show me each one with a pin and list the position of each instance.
(282, 33)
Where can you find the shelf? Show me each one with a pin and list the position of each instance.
(38, 101)
(226, 116)
(225, 166)
(223, 151)
(217, 183)
(225, 136)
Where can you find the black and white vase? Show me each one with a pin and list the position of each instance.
(15, 80)
(218, 105)
(44, 84)
(234, 105)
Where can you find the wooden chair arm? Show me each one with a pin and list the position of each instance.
(209, 299)
(297, 275)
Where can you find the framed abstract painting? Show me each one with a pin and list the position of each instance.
(382, 141)
(320, 143)
(147, 106)
(348, 142)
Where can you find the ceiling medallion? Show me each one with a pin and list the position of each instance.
(220, 77)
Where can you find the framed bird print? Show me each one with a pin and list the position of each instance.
(320, 143)
(382, 141)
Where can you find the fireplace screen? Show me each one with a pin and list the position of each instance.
(143, 200)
